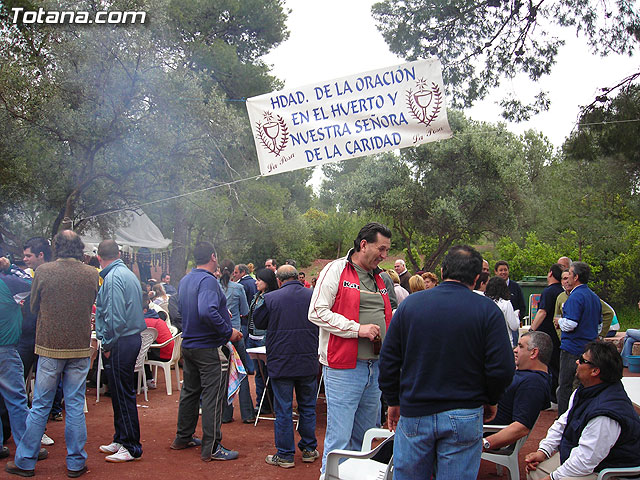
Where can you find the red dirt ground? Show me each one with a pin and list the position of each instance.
(158, 425)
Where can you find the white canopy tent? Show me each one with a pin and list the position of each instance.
(137, 230)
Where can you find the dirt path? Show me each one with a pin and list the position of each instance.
(158, 426)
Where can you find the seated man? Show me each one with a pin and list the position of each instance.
(599, 430)
(528, 394)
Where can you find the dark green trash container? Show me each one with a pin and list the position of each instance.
(532, 287)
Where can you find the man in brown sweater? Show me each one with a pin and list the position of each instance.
(62, 294)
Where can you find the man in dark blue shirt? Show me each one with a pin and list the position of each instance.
(581, 315)
(206, 329)
(528, 393)
(543, 321)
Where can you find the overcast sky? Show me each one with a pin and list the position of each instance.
(335, 38)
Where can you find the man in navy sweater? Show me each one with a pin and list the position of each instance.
(292, 356)
(440, 388)
(206, 329)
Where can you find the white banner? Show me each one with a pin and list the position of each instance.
(349, 117)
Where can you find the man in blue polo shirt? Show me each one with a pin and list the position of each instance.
(581, 315)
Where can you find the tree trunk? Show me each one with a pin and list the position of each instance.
(178, 257)
(432, 260)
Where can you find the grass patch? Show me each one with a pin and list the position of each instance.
(628, 316)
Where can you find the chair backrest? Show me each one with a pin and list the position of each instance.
(177, 345)
(148, 336)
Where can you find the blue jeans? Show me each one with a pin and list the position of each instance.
(353, 405)
(446, 445)
(74, 376)
(13, 391)
(305, 388)
(633, 335)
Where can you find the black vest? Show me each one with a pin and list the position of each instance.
(609, 400)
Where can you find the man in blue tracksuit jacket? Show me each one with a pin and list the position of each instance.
(119, 322)
(206, 329)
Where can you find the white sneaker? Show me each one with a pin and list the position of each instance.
(111, 448)
(46, 440)
(120, 456)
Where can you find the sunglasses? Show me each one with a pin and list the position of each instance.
(583, 360)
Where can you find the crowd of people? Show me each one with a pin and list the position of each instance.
(436, 359)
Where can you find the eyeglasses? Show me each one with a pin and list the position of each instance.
(583, 360)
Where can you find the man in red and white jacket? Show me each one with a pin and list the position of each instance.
(351, 306)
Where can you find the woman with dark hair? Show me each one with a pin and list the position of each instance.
(237, 305)
(265, 282)
(498, 291)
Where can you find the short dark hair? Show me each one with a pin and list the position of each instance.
(39, 245)
(499, 263)
(242, 268)
(541, 341)
(145, 300)
(163, 274)
(303, 274)
(68, 244)
(497, 288)
(556, 271)
(370, 233)
(582, 270)
(202, 252)
(273, 262)
(483, 278)
(108, 249)
(605, 356)
(292, 262)
(462, 263)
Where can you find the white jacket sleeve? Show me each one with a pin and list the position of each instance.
(324, 295)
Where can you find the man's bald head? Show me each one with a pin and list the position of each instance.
(286, 273)
(565, 262)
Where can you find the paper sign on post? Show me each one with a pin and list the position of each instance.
(349, 117)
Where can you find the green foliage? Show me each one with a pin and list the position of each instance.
(483, 43)
(628, 315)
(440, 193)
(534, 258)
(625, 268)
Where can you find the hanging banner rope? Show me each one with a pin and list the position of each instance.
(349, 117)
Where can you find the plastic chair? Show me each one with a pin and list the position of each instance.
(506, 456)
(630, 472)
(166, 366)
(149, 336)
(360, 465)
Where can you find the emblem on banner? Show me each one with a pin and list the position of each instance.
(425, 103)
(272, 133)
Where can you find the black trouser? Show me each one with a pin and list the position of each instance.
(566, 379)
(119, 368)
(205, 372)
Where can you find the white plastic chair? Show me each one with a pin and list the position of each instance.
(359, 465)
(506, 456)
(630, 472)
(148, 336)
(166, 366)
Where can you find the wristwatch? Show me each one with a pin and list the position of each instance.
(486, 444)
